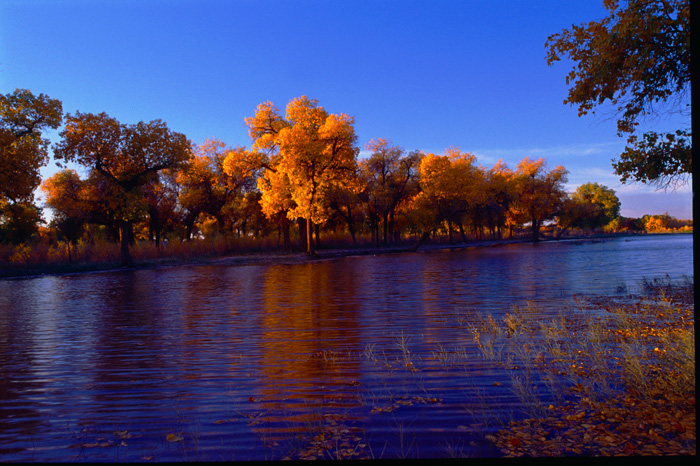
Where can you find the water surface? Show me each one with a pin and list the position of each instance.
(373, 353)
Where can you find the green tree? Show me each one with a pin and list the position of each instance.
(125, 156)
(19, 221)
(604, 198)
(591, 206)
(638, 60)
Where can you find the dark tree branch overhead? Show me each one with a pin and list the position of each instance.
(635, 58)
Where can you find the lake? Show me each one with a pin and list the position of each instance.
(358, 357)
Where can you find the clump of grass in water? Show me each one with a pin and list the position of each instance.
(642, 350)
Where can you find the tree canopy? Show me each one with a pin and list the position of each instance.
(540, 192)
(591, 206)
(126, 156)
(638, 60)
(309, 152)
(23, 150)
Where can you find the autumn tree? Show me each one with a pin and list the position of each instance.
(317, 152)
(23, 151)
(540, 192)
(126, 156)
(65, 196)
(248, 215)
(161, 194)
(77, 203)
(19, 221)
(207, 186)
(242, 169)
(392, 179)
(499, 193)
(449, 185)
(637, 59)
(345, 202)
(307, 152)
(276, 199)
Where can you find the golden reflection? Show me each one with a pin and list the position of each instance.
(300, 340)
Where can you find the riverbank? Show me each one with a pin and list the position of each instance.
(255, 258)
(644, 344)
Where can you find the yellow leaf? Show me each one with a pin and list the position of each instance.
(173, 438)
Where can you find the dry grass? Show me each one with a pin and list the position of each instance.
(621, 373)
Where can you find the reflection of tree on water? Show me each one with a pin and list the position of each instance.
(306, 339)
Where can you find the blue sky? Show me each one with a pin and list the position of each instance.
(424, 74)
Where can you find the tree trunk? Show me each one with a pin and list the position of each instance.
(124, 239)
(317, 229)
(385, 217)
(287, 241)
(420, 241)
(461, 232)
(131, 235)
(391, 226)
(189, 225)
(351, 226)
(535, 230)
(302, 233)
(309, 237)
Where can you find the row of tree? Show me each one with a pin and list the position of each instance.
(302, 167)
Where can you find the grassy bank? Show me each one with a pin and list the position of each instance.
(620, 377)
(24, 261)
(60, 258)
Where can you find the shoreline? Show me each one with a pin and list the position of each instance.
(282, 258)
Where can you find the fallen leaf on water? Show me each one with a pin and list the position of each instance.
(173, 438)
